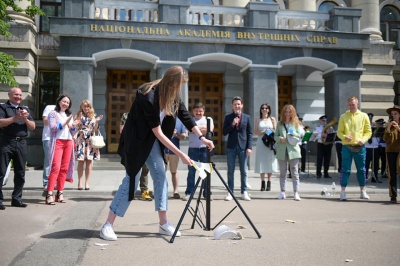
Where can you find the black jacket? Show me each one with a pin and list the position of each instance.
(137, 137)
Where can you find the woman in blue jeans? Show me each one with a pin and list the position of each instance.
(147, 131)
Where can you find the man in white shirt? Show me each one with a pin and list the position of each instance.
(197, 150)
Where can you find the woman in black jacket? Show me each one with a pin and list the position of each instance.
(147, 131)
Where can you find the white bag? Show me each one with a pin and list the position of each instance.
(6, 175)
(97, 140)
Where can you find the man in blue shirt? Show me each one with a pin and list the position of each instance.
(197, 150)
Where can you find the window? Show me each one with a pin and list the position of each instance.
(52, 8)
(390, 25)
(326, 6)
(202, 2)
(49, 88)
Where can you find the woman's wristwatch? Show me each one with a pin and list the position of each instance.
(201, 136)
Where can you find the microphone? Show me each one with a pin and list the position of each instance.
(237, 113)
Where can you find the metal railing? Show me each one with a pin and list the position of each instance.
(125, 10)
(302, 20)
(216, 15)
(147, 11)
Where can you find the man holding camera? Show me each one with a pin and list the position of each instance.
(15, 121)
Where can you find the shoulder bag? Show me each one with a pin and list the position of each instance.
(97, 140)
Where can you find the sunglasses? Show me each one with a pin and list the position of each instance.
(264, 108)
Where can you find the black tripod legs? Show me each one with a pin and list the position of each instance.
(237, 202)
(184, 211)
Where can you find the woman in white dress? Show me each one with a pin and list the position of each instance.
(265, 157)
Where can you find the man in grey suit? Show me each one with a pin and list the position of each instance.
(237, 126)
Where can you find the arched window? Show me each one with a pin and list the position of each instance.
(326, 6)
(390, 25)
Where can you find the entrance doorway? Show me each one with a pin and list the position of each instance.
(207, 89)
(284, 92)
(121, 91)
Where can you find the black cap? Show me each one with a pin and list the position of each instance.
(370, 114)
(380, 121)
(322, 117)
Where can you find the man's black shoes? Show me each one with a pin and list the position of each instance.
(19, 204)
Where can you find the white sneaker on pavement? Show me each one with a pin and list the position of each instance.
(363, 194)
(228, 198)
(248, 185)
(282, 195)
(107, 233)
(186, 197)
(296, 196)
(245, 196)
(167, 229)
(343, 195)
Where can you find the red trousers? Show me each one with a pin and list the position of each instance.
(60, 164)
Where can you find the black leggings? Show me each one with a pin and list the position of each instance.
(391, 160)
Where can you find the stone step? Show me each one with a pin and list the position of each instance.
(113, 162)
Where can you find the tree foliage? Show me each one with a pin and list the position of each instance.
(7, 62)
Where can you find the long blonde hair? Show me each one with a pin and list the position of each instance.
(293, 115)
(169, 88)
(90, 113)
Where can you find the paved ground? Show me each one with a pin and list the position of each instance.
(325, 231)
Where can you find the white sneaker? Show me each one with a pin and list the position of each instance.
(296, 196)
(186, 197)
(245, 196)
(343, 195)
(228, 198)
(168, 229)
(282, 195)
(363, 194)
(107, 233)
(248, 185)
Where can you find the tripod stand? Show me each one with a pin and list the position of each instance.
(309, 136)
(308, 160)
(373, 176)
(207, 226)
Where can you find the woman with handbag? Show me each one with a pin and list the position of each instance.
(84, 150)
(288, 132)
(62, 129)
(265, 155)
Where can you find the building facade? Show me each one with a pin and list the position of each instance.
(313, 54)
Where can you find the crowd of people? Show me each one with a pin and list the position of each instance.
(157, 122)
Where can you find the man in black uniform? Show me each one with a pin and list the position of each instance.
(15, 121)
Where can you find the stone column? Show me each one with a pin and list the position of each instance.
(370, 21)
(76, 79)
(21, 17)
(303, 5)
(260, 86)
(339, 86)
